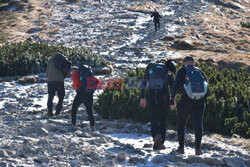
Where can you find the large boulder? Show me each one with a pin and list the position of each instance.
(183, 45)
(103, 71)
(28, 79)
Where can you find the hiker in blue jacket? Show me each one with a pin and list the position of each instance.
(194, 90)
(158, 77)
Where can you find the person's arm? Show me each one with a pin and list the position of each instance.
(145, 80)
(179, 81)
(47, 71)
(144, 85)
(171, 81)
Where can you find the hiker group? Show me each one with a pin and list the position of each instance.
(160, 84)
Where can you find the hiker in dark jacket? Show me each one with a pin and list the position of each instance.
(188, 105)
(55, 85)
(156, 19)
(158, 101)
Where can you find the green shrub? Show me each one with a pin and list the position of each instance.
(245, 24)
(227, 106)
(26, 57)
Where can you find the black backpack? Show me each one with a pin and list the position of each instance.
(62, 63)
(89, 82)
(158, 75)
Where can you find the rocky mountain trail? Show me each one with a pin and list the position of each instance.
(29, 138)
(123, 33)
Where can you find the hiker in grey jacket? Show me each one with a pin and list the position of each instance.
(55, 85)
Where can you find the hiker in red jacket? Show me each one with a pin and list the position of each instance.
(82, 97)
(75, 78)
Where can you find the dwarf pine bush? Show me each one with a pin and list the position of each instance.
(26, 57)
(227, 106)
(245, 24)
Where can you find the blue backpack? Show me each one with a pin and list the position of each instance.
(158, 75)
(89, 82)
(195, 83)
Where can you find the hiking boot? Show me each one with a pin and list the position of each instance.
(57, 113)
(162, 147)
(92, 128)
(50, 113)
(198, 151)
(157, 143)
(178, 151)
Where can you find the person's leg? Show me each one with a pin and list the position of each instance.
(88, 102)
(197, 114)
(158, 24)
(183, 110)
(76, 103)
(163, 120)
(155, 23)
(61, 93)
(51, 94)
(154, 117)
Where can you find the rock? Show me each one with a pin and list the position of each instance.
(121, 156)
(176, 158)
(168, 38)
(40, 131)
(51, 127)
(214, 161)
(129, 146)
(8, 118)
(160, 159)
(108, 130)
(20, 153)
(27, 79)
(234, 162)
(75, 163)
(103, 71)
(183, 45)
(146, 145)
(42, 159)
(109, 163)
(195, 159)
(136, 160)
(3, 164)
(29, 149)
(3, 153)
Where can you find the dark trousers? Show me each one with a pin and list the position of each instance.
(157, 25)
(184, 108)
(53, 88)
(87, 100)
(158, 117)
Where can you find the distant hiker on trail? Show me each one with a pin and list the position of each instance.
(85, 84)
(57, 69)
(159, 76)
(194, 90)
(156, 19)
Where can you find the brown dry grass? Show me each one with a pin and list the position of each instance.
(16, 26)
